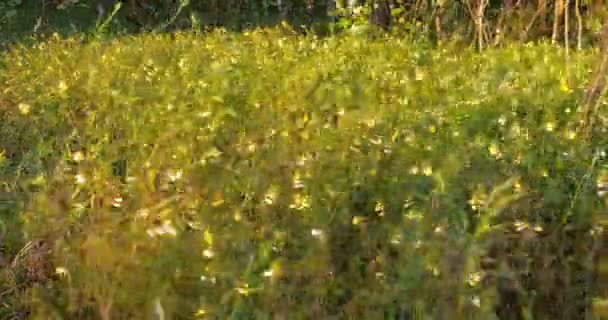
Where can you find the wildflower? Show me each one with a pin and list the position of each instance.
(316, 233)
(24, 108)
(61, 271)
(208, 253)
(80, 179)
(428, 170)
(77, 156)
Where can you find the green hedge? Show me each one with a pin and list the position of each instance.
(266, 175)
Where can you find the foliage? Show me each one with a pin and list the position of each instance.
(485, 23)
(268, 175)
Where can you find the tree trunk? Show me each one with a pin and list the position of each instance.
(557, 17)
(381, 13)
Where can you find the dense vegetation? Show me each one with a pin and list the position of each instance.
(485, 23)
(267, 175)
(448, 165)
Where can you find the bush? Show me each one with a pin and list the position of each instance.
(267, 175)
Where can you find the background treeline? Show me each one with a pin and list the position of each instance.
(573, 23)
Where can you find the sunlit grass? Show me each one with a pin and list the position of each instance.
(242, 175)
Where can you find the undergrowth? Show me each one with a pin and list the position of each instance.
(266, 175)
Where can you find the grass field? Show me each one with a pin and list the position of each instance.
(271, 175)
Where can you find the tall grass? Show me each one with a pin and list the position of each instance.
(268, 175)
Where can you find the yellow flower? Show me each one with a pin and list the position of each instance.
(493, 150)
(428, 170)
(563, 86)
(24, 108)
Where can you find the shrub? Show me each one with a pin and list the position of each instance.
(266, 175)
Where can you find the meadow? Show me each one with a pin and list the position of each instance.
(270, 174)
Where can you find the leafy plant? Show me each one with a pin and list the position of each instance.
(270, 175)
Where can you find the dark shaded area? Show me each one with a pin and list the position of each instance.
(503, 20)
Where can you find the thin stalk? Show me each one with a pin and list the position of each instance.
(591, 100)
(171, 20)
(480, 12)
(538, 13)
(101, 26)
(579, 24)
(567, 28)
